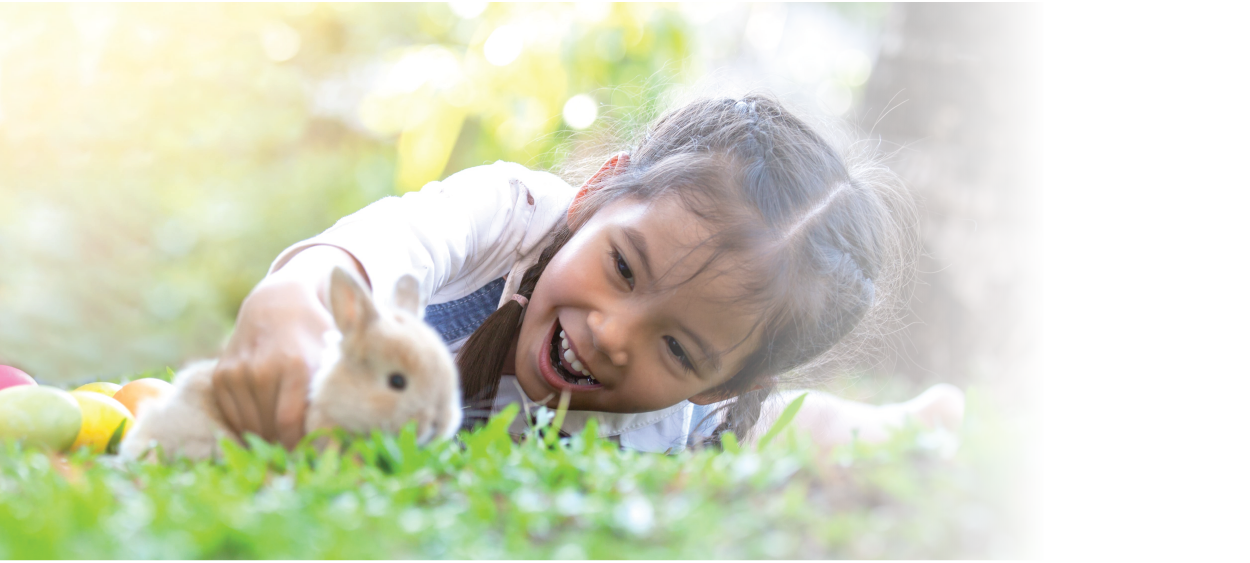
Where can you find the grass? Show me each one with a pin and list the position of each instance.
(485, 496)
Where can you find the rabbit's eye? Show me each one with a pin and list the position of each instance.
(397, 381)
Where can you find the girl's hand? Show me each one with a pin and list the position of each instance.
(261, 380)
(832, 421)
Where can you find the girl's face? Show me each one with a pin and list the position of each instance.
(646, 343)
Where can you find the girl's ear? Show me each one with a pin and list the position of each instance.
(715, 395)
(615, 164)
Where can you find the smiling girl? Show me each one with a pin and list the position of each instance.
(670, 296)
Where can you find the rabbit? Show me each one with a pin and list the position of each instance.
(387, 368)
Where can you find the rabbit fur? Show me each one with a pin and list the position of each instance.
(383, 368)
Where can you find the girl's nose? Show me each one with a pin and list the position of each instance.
(610, 335)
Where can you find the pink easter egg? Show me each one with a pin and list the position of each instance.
(11, 377)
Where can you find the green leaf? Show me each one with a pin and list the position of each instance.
(782, 421)
(729, 442)
(494, 436)
(501, 421)
(233, 454)
(115, 440)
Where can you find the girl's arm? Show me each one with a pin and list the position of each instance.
(454, 236)
(832, 421)
(261, 379)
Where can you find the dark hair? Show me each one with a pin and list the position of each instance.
(823, 243)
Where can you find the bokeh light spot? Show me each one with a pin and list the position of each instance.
(835, 96)
(503, 46)
(280, 42)
(854, 66)
(405, 76)
(593, 12)
(635, 515)
(432, 64)
(766, 26)
(580, 111)
(467, 9)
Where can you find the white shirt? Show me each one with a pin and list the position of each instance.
(456, 236)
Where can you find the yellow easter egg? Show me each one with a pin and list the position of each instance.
(102, 387)
(104, 421)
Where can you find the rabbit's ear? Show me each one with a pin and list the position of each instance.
(350, 303)
(408, 296)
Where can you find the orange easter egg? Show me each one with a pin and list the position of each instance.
(139, 391)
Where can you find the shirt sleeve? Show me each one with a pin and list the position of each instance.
(454, 235)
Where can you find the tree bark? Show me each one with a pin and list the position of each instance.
(953, 93)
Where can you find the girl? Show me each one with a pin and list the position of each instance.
(670, 296)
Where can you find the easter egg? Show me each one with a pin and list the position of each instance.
(39, 415)
(10, 376)
(141, 390)
(101, 417)
(102, 387)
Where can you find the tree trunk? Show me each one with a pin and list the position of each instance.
(953, 92)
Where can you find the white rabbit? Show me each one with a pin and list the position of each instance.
(389, 368)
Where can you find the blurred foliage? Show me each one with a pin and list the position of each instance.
(869, 14)
(486, 497)
(154, 159)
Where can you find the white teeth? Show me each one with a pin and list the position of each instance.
(575, 363)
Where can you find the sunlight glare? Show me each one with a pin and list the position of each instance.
(580, 111)
(503, 46)
(766, 26)
(432, 64)
(406, 76)
(467, 9)
(702, 13)
(593, 12)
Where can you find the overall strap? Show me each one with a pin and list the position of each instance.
(457, 319)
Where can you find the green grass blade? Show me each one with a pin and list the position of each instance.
(115, 439)
(782, 421)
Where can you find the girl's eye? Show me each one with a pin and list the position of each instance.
(675, 348)
(622, 268)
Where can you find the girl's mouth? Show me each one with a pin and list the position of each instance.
(560, 367)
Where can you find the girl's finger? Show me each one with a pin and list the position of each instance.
(292, 405)
(245, 403)
(265, 392)
(225, 401)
